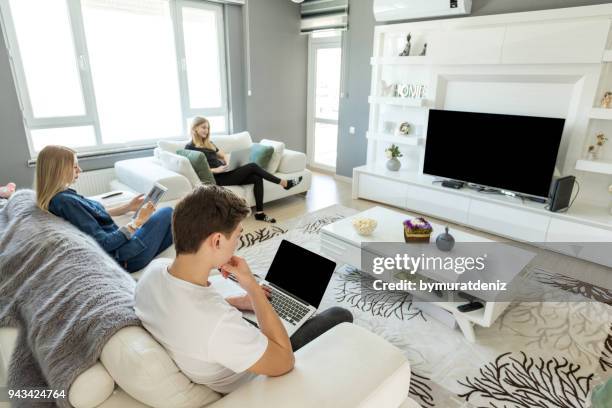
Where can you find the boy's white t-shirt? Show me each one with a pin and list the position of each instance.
(206, 337)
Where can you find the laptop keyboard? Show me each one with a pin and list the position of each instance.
(287, 308)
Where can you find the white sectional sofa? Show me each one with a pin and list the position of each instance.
(347, 367)
(175, 172)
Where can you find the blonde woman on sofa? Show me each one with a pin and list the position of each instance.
(134, 245)
(250, 173)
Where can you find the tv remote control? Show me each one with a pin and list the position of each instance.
(118, 193)
(470, 307)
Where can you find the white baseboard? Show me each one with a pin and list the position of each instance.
(343, 179)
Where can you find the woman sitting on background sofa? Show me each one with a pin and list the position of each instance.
(134, 245)
(248, 174)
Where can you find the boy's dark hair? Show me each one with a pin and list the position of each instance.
(204, 211)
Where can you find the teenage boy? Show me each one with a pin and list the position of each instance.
(203, 332)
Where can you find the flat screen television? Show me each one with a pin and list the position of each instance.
(507, 152)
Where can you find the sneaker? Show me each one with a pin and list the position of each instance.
(263, 217)
(293, 182)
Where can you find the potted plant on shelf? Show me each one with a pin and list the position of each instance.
(393, 153)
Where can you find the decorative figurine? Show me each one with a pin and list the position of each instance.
(445, 241)
(593, 150)
(404, 129)
(393, 153)
(606, 101)
(406, 51)
(424, 51)
(388, 90)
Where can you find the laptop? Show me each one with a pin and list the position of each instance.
(295, 294)
(238, 158)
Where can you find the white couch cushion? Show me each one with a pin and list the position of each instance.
(172, 146)
(347, 367)
(144, 370)
(292, 162)
(279, 150)
(140, 175)
(83, 393)
(8, 337)
(180, 165)
(230, 143)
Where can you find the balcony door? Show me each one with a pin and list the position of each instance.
(324, 76)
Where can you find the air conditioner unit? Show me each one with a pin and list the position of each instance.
(388, 10)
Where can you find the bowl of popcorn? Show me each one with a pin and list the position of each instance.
(364, 226)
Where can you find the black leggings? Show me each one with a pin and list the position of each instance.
(248, 174)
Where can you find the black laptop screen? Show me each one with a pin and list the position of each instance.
(301, 272)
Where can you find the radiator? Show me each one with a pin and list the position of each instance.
(94, 182)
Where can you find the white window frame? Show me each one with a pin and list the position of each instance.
(90, 118)
(188, 111)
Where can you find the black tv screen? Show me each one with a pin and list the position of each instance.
(508, 152)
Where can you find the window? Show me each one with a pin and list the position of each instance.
(100, 75)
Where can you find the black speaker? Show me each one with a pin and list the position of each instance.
(561, 193)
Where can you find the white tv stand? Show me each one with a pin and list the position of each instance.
(501, 215)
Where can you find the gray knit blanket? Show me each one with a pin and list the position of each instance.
(62, 291)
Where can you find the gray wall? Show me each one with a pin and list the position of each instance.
(235, 54)
(354, 110)
(277, 109)
(13, 146)
(279, 69)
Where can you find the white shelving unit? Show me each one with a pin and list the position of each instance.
(516, 54)
(410, 140)
(410, 102)
(594, 166)
(601, 113)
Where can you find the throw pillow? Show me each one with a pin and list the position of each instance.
(261, 154)
(200, 165)
(279, 150)
(172, 146)
(178, 164)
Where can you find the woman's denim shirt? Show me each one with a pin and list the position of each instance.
(92, 218)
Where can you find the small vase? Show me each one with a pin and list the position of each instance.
(445, 241)
(393, 164)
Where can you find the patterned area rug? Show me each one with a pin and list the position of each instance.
(535, 355)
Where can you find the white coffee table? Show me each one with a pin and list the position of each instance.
(341, 242)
